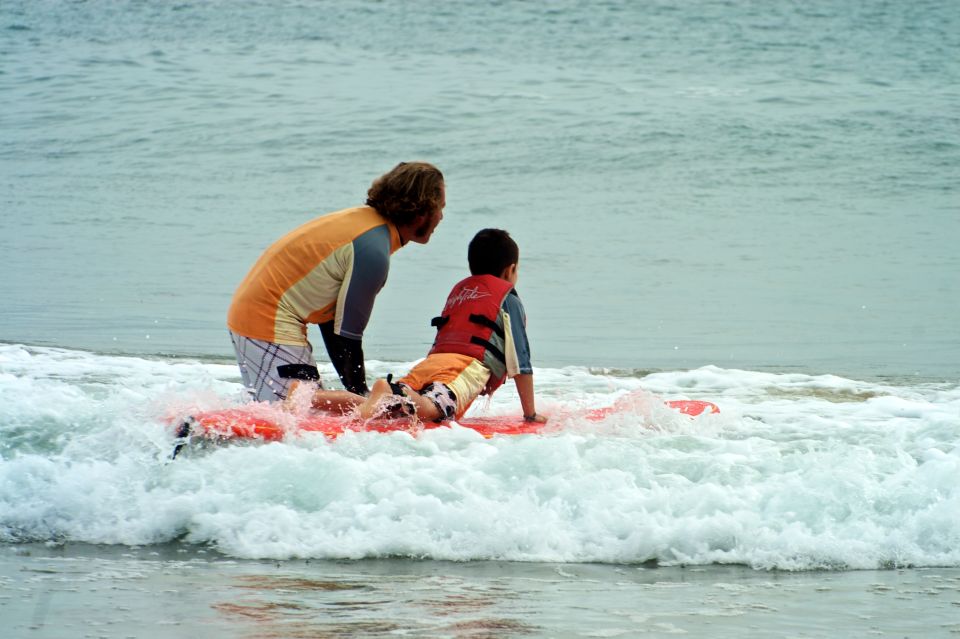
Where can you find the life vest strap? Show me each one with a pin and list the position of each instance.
(476, 318)
(493, 350)
(485, 321)
(395, 387)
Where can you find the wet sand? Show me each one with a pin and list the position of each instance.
(173, 590)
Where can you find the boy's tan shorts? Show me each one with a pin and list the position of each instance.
(461, 375)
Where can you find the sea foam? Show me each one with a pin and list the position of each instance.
(797, 471)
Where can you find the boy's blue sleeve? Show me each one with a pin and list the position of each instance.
(518, 323)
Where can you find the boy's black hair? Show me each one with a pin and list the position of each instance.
(491, 251)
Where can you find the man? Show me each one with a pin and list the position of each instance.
(329, 272)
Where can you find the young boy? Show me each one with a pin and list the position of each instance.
(481, 341)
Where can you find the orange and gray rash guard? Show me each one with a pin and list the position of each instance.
(329, 269)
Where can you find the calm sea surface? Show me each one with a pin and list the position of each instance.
(754, 184)
(755, 203)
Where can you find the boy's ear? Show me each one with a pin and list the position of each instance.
(508, 271)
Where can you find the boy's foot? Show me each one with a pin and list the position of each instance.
(385, 402)
(299, 396)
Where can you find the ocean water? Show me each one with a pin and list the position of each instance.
(164, 591)
(811, 505)
(797, 472)
(753, 203)
(746, 184)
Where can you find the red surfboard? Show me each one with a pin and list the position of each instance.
(271, 423)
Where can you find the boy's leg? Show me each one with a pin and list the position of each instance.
(378, 391)
(336, 400)
(426, 410)
(301, 394)
(441, 400)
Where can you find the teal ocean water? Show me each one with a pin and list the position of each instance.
(754, 203)
(746, 184)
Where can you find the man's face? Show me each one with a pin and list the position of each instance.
(424, 225)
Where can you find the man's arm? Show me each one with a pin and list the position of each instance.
(343, 337)
(365, 276)
(347, 357)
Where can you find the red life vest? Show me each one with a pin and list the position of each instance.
(471, 324)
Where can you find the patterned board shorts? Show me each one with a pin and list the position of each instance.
(269, 369)
(442, 397)
(450, 380)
